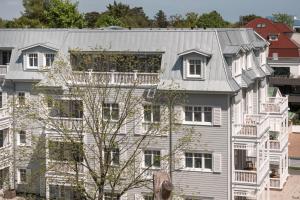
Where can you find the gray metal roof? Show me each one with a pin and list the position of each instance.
(171, 42)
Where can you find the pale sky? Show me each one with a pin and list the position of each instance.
(229, 9)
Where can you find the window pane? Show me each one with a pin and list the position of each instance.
(115, 111)
(115, 156)
(188, 113)
(198, 160)
(23, 175)
(208, 161)
(156, 113)
(147, 113)
(49, 59)
(148, 160)
(188, 160)
(208, 114)
(156, 161)
(22, 137)
(21, 98)
(197, 114)
(106, 111)
(192, 69)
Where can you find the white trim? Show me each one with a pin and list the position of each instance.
(27, 56)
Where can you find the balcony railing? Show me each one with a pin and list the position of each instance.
(5, 156)
(277, 145)
(64, 167)
(252, 176)
(275, 105)
(254, 126)
(3, 70)
(65, 123)
(120, 78)
(4, 112)
(275, 183)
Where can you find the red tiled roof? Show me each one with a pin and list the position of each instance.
(283, 46)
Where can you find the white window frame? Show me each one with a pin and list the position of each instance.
(202, 122)
(37, 60)
(112, 153)
(26, 138)
(203, 169)
(110, 111)
(27, 175)
(151, 113)
(202, 61)
(152, 158)
(45, 59)
(5, 137)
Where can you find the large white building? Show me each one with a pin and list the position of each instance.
(242, 124)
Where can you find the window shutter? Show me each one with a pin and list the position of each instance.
(179, 160)
(217, 163)
(25, 61)
(217, 116)
(123, 125)
(164, 160)
(179, 113)
(123, 197)
(4, 99)
(28, 175)
(138, 122)
(138, 197)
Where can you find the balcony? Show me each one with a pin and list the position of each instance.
(279, 144)
(254, 176)
(3, 70)
(253, 127)
(62, 167)
(5, 156)
(65, 123)
(4, 112)
(275, 183)
(275, 105)
(115, 78)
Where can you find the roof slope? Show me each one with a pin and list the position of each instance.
(170, 42)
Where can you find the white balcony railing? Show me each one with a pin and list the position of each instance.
(58, 167)
(121, 78)
(275, 105)
(277, 145)
(254, 126)
(65, 123)
(275, 183)
(3, 70)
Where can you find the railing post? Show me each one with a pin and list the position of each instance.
(112, 78)
(135, 75)
(90, 74)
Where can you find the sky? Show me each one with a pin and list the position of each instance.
(229, 9)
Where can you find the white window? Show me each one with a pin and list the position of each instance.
(200, 161)
(4, 138)
(195, 68)
(152, 159)
(33, 60)
(200, 114)
(110, 111)
(49, 59)
(112, 157)
(151, 113)
(23, 175)
(21, 98)
(148, 197)
(22, 138)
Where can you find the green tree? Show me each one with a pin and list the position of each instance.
(106, 20)
(161, 19)
(212, 20)
(177, 21)
(34, 9)
(283, 18)
(247, 18)
(2, 23)
(91, 19)
(63, 14)
(191, 19)
(24, 22)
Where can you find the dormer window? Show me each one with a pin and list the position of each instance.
(33, 60)
(195, 68)
(273, 37)
(49, 59)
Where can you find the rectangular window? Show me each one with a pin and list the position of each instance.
(1, 101)
(49, 59)
(152, 159)
(65, 151)
(198, 114)
(22, 176)
(112, 157)
(33, 60)
(110, 111)
(1, 138)
(195, 68)
(21, 98)
(151, 113)
(22, 137)
(201, 161)
(148, 197)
